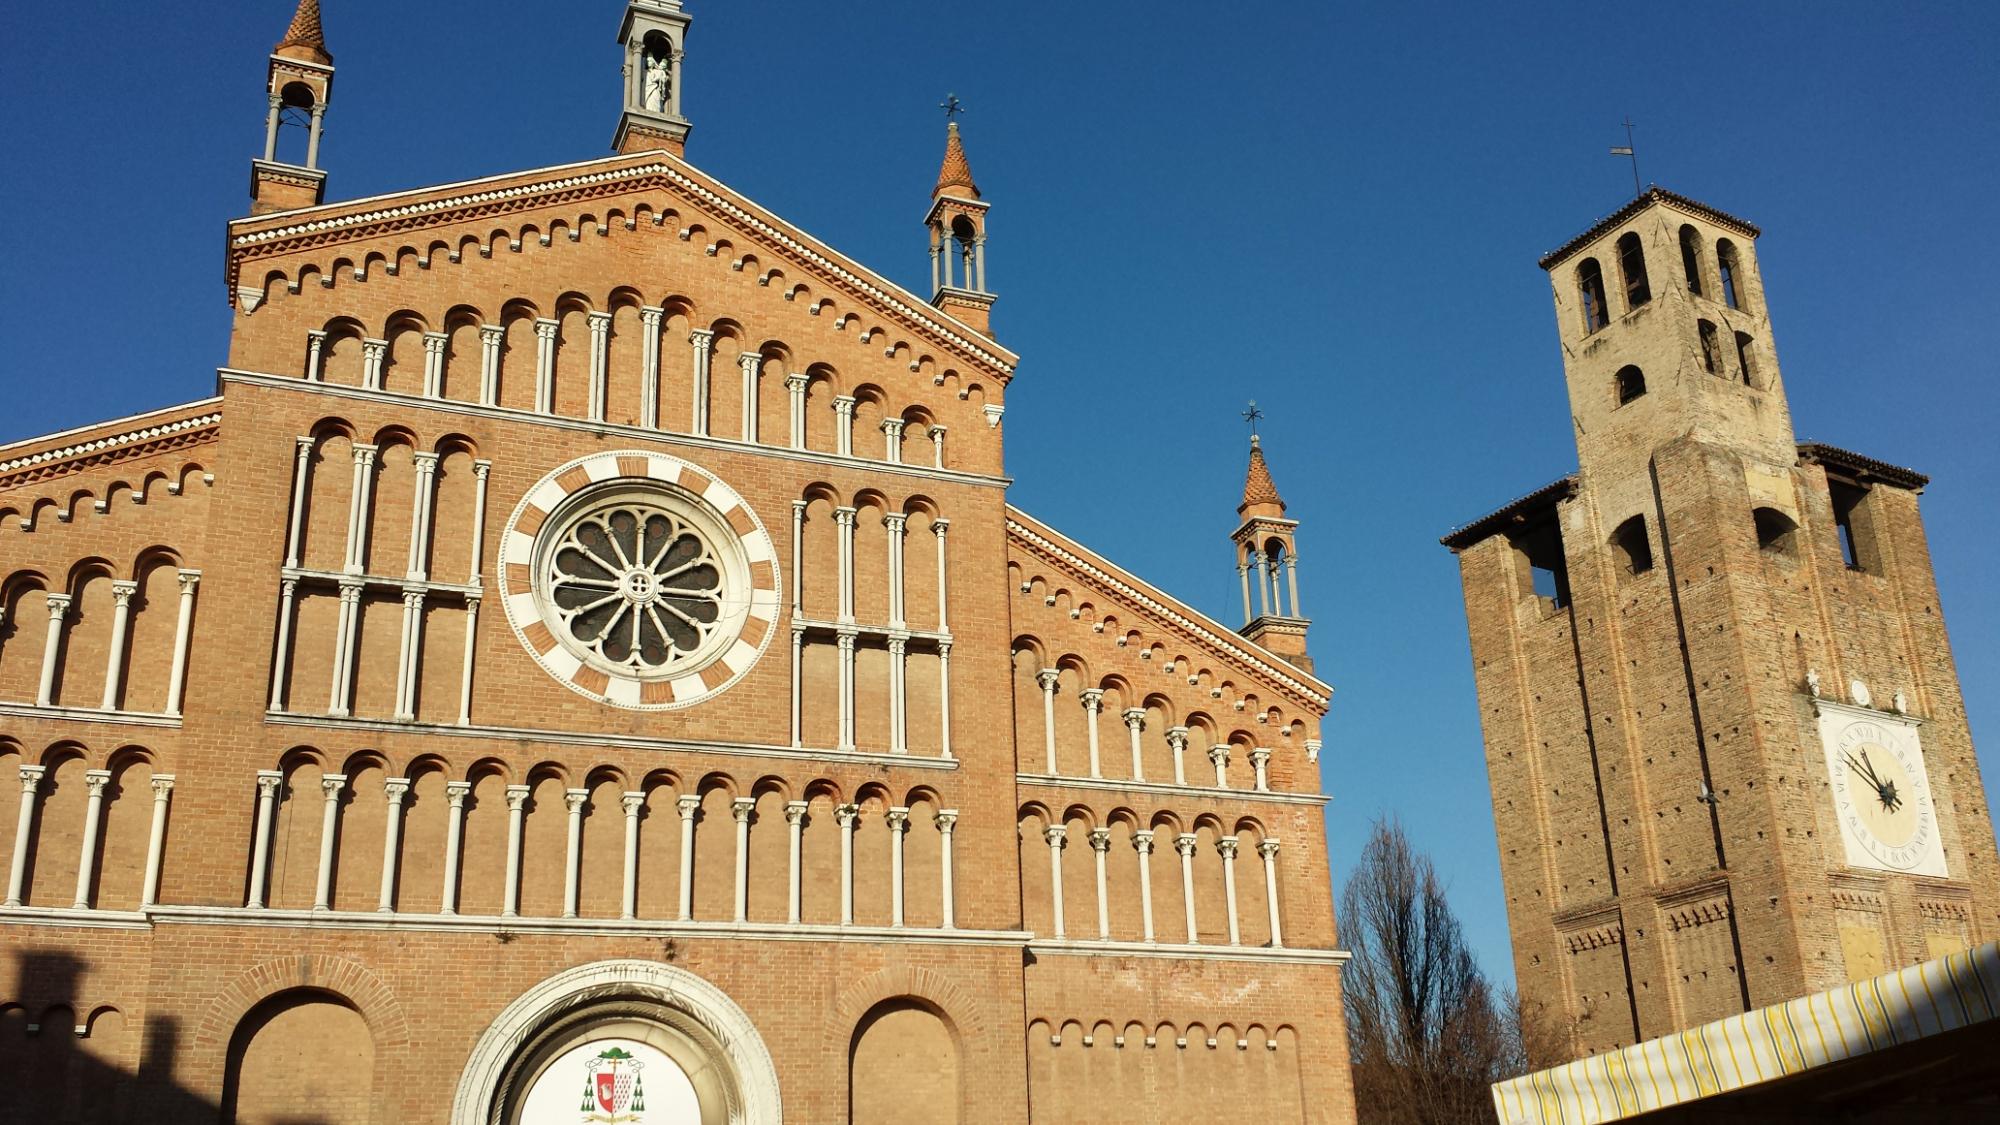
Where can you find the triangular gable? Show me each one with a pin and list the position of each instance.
(400, 214)
(1065, 554)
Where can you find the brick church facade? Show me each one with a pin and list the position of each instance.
(584, 655)
(1729, 756)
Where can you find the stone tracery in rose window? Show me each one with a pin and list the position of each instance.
(635, 587)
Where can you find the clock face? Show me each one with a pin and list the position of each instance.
(1881, 794)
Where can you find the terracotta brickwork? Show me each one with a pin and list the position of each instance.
(306, 789)
(1652, 640)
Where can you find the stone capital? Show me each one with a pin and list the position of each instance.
(945, 820)
(1227, 846)
(846, 815)
(1055, 834)
(632, 802)
(95, 780)
(1049, 678)
(1142, 841)
(898, 818)
(517, 797)
(396, 788)
(31, 778)
(1093, 698)
(122, 590)
(1135, 717)
(268, 782)
(688, 804)
(331, 784)
(795, 812)
(1100, 840)
(741, 807)
(455, 793)
(163, 784)
(1219, 753)
(1185, 844)
(1268, 849)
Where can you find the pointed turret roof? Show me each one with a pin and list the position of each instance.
(955, 172)
(305, 38)
(1259, 491)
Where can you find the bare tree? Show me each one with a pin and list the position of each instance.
(1427, 1036)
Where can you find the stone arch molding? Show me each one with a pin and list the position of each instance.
(610, 984)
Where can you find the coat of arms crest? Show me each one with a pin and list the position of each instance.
(612, 1092)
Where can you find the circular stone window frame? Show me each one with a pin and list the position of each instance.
(626, 472)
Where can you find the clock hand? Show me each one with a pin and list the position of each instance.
(1863, 771)
(1872, 775)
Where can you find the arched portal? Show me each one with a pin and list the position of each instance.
(619, 1033)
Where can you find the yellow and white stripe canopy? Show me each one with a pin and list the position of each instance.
(1755, 1047)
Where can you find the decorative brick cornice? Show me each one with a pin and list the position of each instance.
(1515, 512)
(1597, 937)
(1690, 915)
(167, 433)
(251, 238)
(1652, 195)
(1072, 558)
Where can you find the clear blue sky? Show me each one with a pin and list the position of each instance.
(1334, 209)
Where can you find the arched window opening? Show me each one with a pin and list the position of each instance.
(965, 245)
(1631, 384)
(1539, 551)
(1590, 286)
(1633, 550)
(1632, 264)
(293, 141)
(1725, 264)
(1711, 348)
(1776, 531)
(1691, 258)
(1746, 362)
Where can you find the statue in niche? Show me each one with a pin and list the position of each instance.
(657, 87)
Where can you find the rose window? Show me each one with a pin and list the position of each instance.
(635, 586)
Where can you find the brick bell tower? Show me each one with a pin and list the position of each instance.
(1728, 752)
(653, 37)
(299, 81)
(957, 222)
(1267, 558)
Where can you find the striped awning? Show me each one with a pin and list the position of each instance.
(1743, 1051)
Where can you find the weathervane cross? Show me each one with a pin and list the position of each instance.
(952, 106)
(1251, 416)
(1627, 150)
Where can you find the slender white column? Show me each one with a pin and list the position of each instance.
(481, 470)
(1049, 678)
(1135, 725)
(1268, 850)
(330, 786)
(24, 829)
(688, 805)
(406, 666)
(899, 823)
(979, 263)
(741, 810)
(1142, 842)
(847, 643)
(268, 782)
(574, 800)
(395, 789)
(372, 353)
(629, 901)
(288, 590)
(1177, 742)
(1292, 581)
(936, 434)
(315, 355)
(1219, 754)
(1054, 833)
(843, 519)
(753, 370)
(121, 623)
(425, 465)
(895, 522)
(545, 364)
(650, 319)
(465, 675)
(1093, 704)
(343, 650)
(1243, 575)
(899, 719)
(702, 340)
(845, 816)
(795, 821)
(1184, 844)
(156, 839)
(798, 553)
(301, 468)
(795, 386)
(361, 486)
(491, 336)
(184, 634)
(600, 358)
(944, 699)
(1263, 585)
(517, 801)
(843, 425)
(51, 649)
(946, 820)
(1227, 846)
(93, 816)
(1260, 760)
(455, 793)
(435, 344)
(1100, 843)
(938, 528)
(798, 685)
(892, 445)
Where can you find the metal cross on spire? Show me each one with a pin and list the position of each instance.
(952, 106)
(1252, 416)
(1626, 150)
